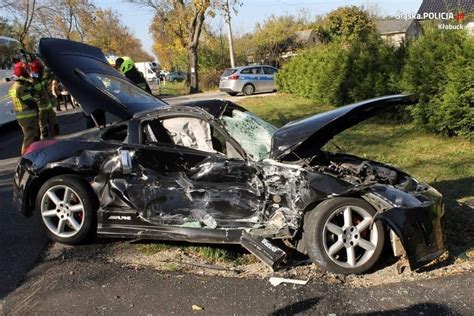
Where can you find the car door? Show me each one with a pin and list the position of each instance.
(183, 176)
(258, 78)
(269, 78)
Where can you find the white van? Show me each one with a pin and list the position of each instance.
(149, 69)
(9, 50)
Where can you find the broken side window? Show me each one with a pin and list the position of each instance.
(251, 132)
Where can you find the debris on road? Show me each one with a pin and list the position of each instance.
(197, 308)
(275, 281)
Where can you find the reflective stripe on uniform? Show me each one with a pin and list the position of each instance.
(26, 97)
(45, 108)
(26, 114)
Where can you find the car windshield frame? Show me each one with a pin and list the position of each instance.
(253, 134)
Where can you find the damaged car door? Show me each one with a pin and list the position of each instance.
(186, 173)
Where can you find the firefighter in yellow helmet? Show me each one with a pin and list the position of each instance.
(24, 104)
(47, 118)
(127, 67)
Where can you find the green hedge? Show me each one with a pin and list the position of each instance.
(440, 69)
(338, 74)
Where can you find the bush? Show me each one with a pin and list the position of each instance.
(338, 74)
(209, 79)
(440, 69)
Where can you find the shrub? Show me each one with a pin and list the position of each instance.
(338, 74)
(440, 69)
(209, 79)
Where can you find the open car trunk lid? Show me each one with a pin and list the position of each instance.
(85, 72)
(312, 133)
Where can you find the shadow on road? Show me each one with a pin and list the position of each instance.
(417, 309)
(297, 307)
(21, 239)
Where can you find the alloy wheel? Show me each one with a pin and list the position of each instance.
(349, 237)
(62, 211)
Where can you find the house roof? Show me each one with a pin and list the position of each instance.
(438, 6)
(393, 26)
(304, 35)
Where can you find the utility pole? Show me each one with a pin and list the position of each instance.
(227, 15)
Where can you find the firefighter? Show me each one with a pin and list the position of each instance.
(24, 105)
(48, 123)
(127, 67)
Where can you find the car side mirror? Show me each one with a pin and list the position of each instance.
(126, 161)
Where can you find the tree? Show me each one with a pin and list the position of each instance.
(179, 22)
(65, 19)
(6, 28)
(346, 24)
(275, 36)
(23, 13)
(107, 32)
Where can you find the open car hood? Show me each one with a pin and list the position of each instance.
(306, 135)
(73, 62)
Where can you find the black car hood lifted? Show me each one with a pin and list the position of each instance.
(72, 61)
(312, 133)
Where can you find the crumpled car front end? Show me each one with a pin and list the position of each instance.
(413, 211)
(416, 217)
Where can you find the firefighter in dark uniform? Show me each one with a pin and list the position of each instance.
(47, 120)
(127, 67)
(24, 105)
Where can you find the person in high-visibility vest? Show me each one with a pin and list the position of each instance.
(24, 105)
(48, 123)
(127, 67)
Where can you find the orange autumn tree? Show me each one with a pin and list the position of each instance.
(176, 29)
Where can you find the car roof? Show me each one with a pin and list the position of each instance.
(251, 66)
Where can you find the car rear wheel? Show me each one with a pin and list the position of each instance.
(232, 93)
(248, 89)
(341, 237)
(67, 209)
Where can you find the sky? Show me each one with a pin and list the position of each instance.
(138, 19)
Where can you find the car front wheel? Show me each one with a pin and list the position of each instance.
(341, 237)
(67, 209)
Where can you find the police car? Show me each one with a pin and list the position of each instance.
(248, 79)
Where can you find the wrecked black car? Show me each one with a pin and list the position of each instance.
(212, 172)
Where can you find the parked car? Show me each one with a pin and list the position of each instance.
(248, 80)
(149, 70)
(209, 171)
(175, 76)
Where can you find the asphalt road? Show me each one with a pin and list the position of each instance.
(21, 240)
(83, 281)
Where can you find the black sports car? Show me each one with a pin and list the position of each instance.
(212, 172)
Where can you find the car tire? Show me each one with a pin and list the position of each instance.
(232, 93)
(339, 236)
(248, 89)
(67, 219)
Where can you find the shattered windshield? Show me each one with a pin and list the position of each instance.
(251, 132)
